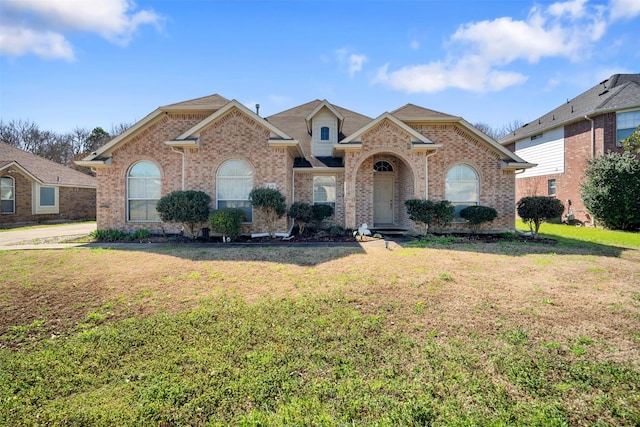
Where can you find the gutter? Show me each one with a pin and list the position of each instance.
(593, 137)
(182, 153)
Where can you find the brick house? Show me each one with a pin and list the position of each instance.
(562, 140)
(316, 153)
(34, 189)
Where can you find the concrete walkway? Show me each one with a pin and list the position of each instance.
(37, 236)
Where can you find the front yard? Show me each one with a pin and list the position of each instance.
(503, 333)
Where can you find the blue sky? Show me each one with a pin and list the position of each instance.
(88, 63)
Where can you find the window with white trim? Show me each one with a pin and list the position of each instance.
(462, 188)
(45, 199)
(8, 195)
(234, 182)
(626, 123)
(324, 133)
(143, 192)
(324, 190)
(551, 187)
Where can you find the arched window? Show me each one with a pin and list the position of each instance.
(462, 188)
(383, 166)
(8, 195)
(143, 192)
(234, 183)
(324, 133)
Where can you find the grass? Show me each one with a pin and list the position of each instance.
(567, 234)
(505, 333)
(309, 361)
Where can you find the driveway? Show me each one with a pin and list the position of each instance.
(38, 233)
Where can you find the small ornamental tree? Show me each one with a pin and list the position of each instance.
(611, 191)
(227, 221)
(320, 212)
(535, 210)
(443, 212)
(302, 214)
(191, 208)
(420, 211)
(427, 212)
(271, 203)
(478, 215)
(632, 143)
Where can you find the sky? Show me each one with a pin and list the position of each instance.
(67, 64)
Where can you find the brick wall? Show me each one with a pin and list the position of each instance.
(578, 149)
(74, 203)
(233, 136)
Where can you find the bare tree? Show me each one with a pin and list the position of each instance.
(119, 128)
(498, 133)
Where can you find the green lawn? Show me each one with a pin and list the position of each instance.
(571, 235)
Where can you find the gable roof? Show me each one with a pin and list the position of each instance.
(416, 136)
(411, 113)
(42, 170)
(325, 104)
(209, 103)
(620, 91)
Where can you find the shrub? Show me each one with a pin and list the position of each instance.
(535, 210)
(427, 212)
(271, 203)
(227, 221)
(108, 235)
(611, 191)
(477, 215)
(302, 214)
(321, 212)
(443, 213)
(140, 234)
(191, 208)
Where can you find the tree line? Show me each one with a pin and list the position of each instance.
(61, 148)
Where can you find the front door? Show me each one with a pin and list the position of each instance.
(383, 198)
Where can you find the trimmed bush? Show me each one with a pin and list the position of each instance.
(478, 215)
(427, 212)
(302, 214)
(271, 203)
(535, 210)
(190, 208)
(611, 191)
(320, 213)
(227, 221)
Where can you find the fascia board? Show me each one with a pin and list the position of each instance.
(111, 145)
(23, 170)
(490, 141)
(321, 170)
(356, 135)
(195, 130)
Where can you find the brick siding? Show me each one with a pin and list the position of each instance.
(74, 203)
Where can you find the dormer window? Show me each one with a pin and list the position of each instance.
(324, 133)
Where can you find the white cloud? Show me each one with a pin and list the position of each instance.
(624, 9)
(415, 44)
(353, 61)
(480, 51)
(15, 41)
(40, 26)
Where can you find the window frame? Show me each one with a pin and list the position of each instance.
(634, 123)
(129, 199)
(38, 208)
(314, 193)
(459, 203)
(322, 133)
(12, 193)
(552, 188)
(248, 208)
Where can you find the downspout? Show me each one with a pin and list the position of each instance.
(182, 153)
(426, 174)
(593, 137)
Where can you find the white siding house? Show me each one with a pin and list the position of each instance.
(545, 149)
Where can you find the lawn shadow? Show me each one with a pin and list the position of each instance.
(301, 254)
(519, 246)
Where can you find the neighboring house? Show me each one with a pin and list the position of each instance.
(34, 189)
(316, 153)
(562, 140)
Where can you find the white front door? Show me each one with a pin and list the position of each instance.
(383, 198)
